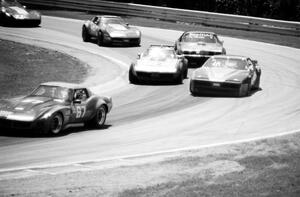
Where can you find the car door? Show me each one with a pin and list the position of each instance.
(79, 106)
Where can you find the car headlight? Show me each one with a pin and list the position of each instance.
(19, 16)
(234, 80)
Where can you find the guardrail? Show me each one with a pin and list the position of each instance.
(171, 14)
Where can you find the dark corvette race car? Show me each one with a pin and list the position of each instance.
(226, 74)
(198, 46)
(54, 106)
(13, 13)
(110, 30)
(158, 63)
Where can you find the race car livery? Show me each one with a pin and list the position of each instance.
(13, 13)
(110, 30)
(54, 106)
(158, 63)
(226, 74)
(198, 46)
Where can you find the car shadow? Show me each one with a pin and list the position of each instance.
(35, 134)
(19, 25)
(157, 83)
(225, 95)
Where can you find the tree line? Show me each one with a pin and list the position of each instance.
(276, 9)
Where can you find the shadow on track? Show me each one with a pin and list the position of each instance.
(36, 134)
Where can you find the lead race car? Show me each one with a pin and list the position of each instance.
(54, 106)
(226, 74)
(110, 30)
(158, 63)
(198, 46)
(13, 13)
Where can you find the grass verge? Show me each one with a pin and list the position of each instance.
(23, 67)
(262, 168)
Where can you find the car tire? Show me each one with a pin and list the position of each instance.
(193, 93)
(99, 120)
(132, 79)
(257, 84)
(180, 78)
(55, 124)
(244, 91)
(100, 39)
(85, 35)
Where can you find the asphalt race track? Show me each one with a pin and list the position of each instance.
(155, 118)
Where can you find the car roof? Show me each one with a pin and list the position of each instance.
(108, 16)
(202, 32)
(63, 84)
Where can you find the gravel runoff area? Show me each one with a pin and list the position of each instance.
(263, 168)
(23, 67)
(267, 167)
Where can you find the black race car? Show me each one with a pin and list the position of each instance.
(13, 13)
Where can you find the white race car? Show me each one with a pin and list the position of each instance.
(159, 63)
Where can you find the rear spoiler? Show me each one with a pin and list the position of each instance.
(161, 45)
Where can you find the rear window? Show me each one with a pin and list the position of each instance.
(199, 37)
(233, 63)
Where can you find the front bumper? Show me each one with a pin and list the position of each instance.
(22, 125)
(211, 87)
(156, 76)
(121, 40)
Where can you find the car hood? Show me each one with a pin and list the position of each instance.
(191, 46)
(28, 107)
(148, 65)
(119, 30)
(221, 74)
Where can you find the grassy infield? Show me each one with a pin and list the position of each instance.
(262, 168)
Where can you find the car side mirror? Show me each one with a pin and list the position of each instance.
(222, 42)
(254, 61)
(77, 101)
(127, 24)
(139, 55)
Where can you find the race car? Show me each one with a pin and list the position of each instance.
(236, 75)
(13, 13)
(53, 107)
(198, 46)
(110, 30)
(158, 63)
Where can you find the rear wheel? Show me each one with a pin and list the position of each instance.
(257, 83)
(55, 124)
(180, 78)
(132, 79)
(100, 39)
(99, 120)
(85, 35)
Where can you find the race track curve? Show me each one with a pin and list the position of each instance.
(153, 118)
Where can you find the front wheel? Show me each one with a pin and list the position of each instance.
(85, 35)
(100, 117)
(55, 124)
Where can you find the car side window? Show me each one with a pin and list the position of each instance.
(95, 19)
(249, 64)
(81, 94)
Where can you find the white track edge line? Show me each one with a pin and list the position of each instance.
(152, 153)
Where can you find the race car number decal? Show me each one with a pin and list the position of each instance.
(80, 111)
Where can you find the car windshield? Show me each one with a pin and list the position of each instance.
(199, 37)
(159, 53)
(53, 92)
(233, 63)
(8, 3)
(115, 20)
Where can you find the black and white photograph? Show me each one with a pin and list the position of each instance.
(136, 98)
